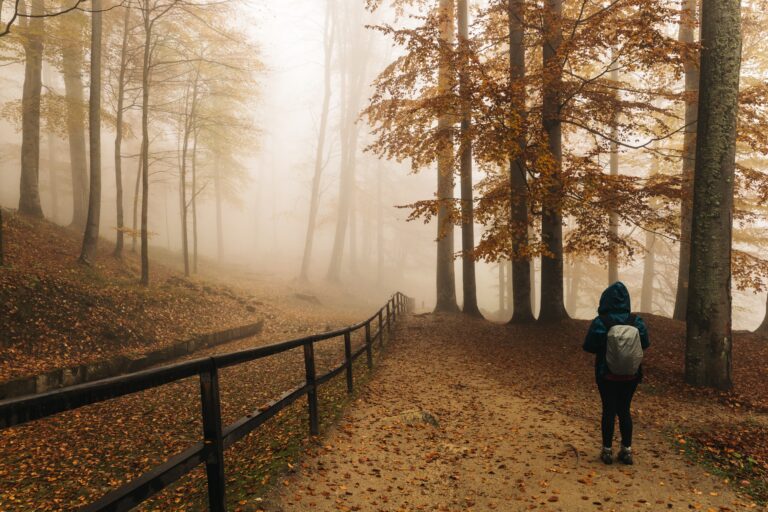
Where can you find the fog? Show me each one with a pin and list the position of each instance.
(266, 204)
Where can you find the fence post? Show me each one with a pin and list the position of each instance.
(348, 358)
(389, 320)
(214, 467)
(381, 329)
(309, 366)
(368, 351)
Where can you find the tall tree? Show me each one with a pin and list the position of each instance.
(148, 21)
(708, 322)
(469, 282)
(187, 121)
(91, 236)
(120, 110)
(649, 273)
(355, 56)
(552, 304)
(522, 311)
(613, 217)
(445, 278)
(72, 57)
(686, 35)
(151, 12)
(29, 197)
(314, 198)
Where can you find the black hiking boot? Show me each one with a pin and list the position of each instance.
(625, 456)
(606, 456)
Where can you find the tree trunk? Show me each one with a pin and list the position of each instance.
(708, 321)
(552, 305)
(353, 213)
(136, 200)
(686, 35)
(188, 117)
(519, 222)
(446, 279)
(91, 236)
(51, 146)
(649, 273)
(573, 292)
(762, 329)
(194, 204)
(29, 195)
(2, 242)
(119, 136)
(314, 198)
(502, 280)
(356, 69)
(145, 82)
(52, 181)
(219, 220)
(613, 217)
(379, 230)
(467, 203)
(72, 65)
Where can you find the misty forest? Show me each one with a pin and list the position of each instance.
(383, 255)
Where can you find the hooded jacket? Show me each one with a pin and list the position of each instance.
(615, 303)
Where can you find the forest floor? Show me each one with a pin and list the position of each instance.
(469, 415)
(522, 393)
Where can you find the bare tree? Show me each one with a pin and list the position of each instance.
(121, 79)
(91, 236)
(72, 56)
(314, 198)
(355, 58)
(29, 198)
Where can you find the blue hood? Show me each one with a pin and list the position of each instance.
(615, 299)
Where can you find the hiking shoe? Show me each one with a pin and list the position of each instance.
(607, 456)
(625, 456)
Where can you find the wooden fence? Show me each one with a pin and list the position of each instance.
(216, 437)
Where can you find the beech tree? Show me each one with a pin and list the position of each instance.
(708, 322)
(465, 150)
(119, 113)
(91, 236)
(522, 300)
(33, 37)
(686, 35)
(329, 33)
(355, 56)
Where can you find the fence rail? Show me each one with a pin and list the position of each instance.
(216, 437)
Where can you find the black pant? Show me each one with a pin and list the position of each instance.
(617, 397)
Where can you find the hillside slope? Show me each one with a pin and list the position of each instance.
(56, 312)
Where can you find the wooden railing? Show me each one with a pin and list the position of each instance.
(216, 437)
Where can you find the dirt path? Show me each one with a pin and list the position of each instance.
(489, 449)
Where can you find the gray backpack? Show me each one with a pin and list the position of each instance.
(624, 352)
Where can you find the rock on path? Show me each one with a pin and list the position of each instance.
(489, 449)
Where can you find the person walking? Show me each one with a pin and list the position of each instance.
(618, 339)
